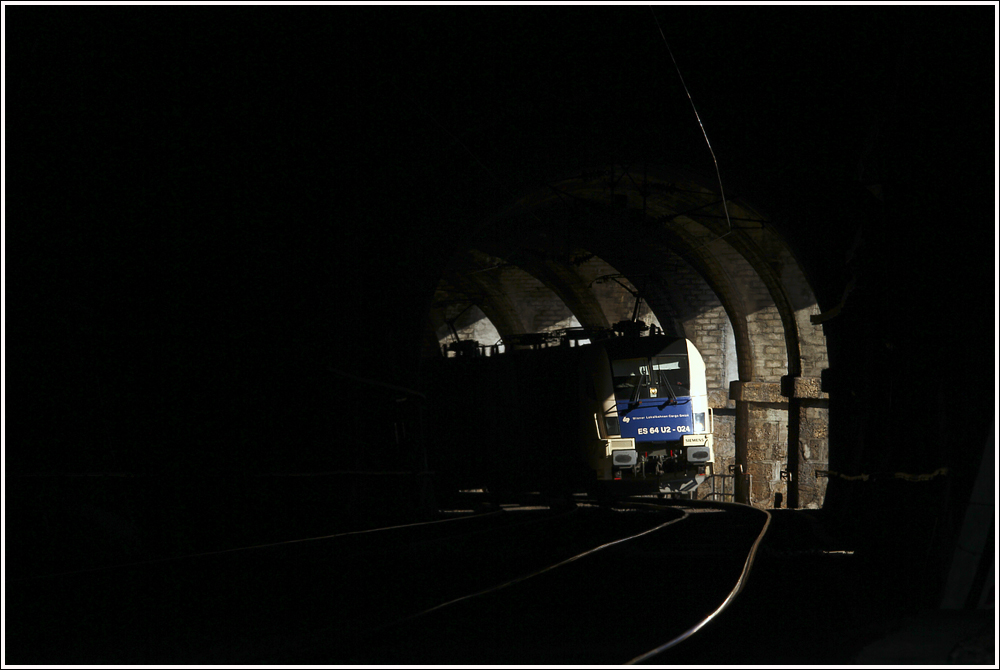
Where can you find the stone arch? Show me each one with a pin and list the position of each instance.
(714, 271)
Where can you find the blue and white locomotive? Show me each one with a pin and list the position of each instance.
(627, 414)
(655, 424)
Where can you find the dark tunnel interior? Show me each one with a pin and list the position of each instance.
(238, 234)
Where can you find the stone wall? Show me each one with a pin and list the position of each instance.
(724, 436)
(775, 424)
(767, 453)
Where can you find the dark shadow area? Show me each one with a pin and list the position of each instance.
(226, 226)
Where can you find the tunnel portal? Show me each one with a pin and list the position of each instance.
(604, 245)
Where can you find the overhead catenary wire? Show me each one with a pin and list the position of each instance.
(715, 162)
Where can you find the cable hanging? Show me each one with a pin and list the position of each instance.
(704, 133)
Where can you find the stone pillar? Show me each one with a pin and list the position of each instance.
(761, 441)
(808, 445)
(741, 492)
(723, 429)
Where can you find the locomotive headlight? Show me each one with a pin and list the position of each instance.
(625, 458)
(698, 454)
(699, 422)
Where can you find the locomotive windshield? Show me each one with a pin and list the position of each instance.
(656, 377)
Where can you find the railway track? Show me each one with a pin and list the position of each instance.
(624, 601)
(518, 584)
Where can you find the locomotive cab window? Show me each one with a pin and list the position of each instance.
(674, 371)
(656, 377)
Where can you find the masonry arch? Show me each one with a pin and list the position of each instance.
(714, 271)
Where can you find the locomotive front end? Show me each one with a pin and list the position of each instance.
(657, 427)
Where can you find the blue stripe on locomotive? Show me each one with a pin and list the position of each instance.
(647, 423)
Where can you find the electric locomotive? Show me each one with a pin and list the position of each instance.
(625, 414)
(655, 427)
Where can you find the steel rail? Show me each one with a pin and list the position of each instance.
(532, 575)
(233, 550)
(740, 583)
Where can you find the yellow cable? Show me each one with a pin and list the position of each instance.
(897, 475)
